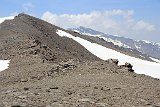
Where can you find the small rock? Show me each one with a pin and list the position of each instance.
(22, 97)
(47, 90)
(117, 88)
(128, 65)
(115, 61)
(24, 80)
(85, 104)
(54, 88)
(69, 93)
(37, 42)
(130, 70)
(105, 89)
(25, 88)
(101, 105)
(66, 65)
(57, 105)
(16, 106)
(44, 46)
(36, 93)
(19, 105)
(95, 87)
(1, 104)
(84, 100)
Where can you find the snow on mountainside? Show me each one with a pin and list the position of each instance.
(6, 18)
(4, 64)
(115, 42)
(156, 60)
(144, 46)
(140, 66)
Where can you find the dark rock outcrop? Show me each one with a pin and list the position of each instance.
(115, 61)
(128, 66)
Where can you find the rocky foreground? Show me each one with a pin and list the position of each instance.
(77, 84)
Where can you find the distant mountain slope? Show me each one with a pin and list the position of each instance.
(146, 47)
(115, 45)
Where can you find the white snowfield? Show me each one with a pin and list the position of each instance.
(4, 64)
(6, 18)
(140, 66)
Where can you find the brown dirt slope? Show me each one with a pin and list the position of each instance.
(28, 35)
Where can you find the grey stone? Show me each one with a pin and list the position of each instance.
(54, 88)
(84, 100)
(101, 105)
(19, 105)
(105, 89)
(115, 61)
(1, 104)
(25, 88)
(128, 65)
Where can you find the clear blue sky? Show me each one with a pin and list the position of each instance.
(147, 10)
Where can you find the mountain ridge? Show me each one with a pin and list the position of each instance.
(150, 48)
(42, 34)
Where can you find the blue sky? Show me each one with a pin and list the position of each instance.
(145, 12)
(143, 8)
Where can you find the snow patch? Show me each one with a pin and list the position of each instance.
(4, 64)
(157, 44)
(91, 35)
(117, 35)
(115, 42)
(140, 66)
(145, 41)
(76, 31)
(6, 18)
(156, 60)
(148, 42)
(137, 47)
(141, 56)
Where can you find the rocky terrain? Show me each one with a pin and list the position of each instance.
(47, 70)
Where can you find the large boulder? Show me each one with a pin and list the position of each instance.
(128, 66)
